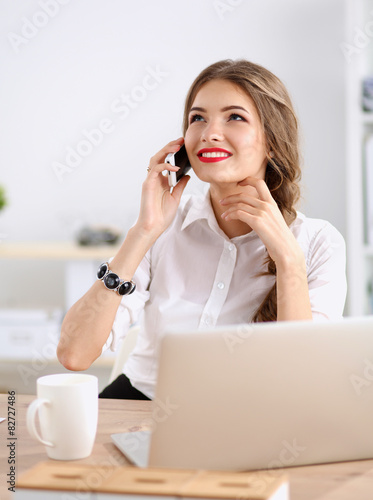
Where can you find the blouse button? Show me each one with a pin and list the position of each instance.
(220, 285)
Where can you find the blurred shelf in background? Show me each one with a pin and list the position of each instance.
(29, 337)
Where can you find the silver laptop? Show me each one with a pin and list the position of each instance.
(260, 396)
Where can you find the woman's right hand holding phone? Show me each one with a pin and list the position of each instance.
(88, 322)
(158, 204)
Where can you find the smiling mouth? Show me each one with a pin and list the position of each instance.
(208, 156)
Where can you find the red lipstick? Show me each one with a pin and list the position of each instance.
(210, 155)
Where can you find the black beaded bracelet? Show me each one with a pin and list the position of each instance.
(113, 282)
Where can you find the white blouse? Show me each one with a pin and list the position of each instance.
(195, 277)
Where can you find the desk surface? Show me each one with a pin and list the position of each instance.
(342, 481)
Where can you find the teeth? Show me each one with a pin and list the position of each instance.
(215, 155)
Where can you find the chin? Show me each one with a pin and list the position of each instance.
(217, 176)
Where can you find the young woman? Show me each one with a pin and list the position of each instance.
(241, 253)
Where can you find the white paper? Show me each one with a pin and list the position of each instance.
(1, 419)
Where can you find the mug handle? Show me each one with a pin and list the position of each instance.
(30, 420)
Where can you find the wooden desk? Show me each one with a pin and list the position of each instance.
(342, 481)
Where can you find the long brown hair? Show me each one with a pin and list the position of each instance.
(280, 129)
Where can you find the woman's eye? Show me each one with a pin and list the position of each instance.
(236, 117)
(196, 118)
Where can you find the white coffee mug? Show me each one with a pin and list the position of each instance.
(68, 411)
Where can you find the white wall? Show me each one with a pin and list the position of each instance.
(68, 74)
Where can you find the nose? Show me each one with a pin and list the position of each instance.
(212, 132)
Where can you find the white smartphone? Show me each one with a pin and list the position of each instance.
(179, 159)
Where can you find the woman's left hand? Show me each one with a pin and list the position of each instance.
(256, 207)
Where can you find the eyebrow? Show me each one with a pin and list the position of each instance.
(226, 108)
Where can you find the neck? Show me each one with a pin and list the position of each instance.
(231, 228)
